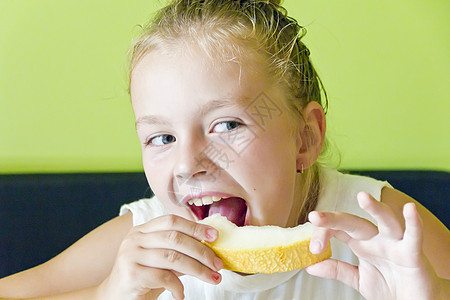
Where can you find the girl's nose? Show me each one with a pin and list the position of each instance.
(192, 161)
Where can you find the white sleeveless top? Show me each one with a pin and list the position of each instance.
(338, 193)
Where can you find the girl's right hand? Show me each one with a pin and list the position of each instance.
(153, 255)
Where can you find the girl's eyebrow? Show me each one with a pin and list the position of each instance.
(212, 105)
(240, 102)
(151, 120)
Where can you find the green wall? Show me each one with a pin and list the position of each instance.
(64, 105)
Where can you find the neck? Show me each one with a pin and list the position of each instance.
(306, 195)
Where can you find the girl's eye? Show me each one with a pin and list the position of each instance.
(161, 140)
(226, 126)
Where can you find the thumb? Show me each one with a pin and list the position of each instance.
(337, 270)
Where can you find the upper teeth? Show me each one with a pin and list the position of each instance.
(206, 200)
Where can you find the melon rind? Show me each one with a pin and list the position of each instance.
(281, 258)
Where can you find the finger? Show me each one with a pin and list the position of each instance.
(354, 226)
(170, 282)
(177, 223)
(413, 236)
(337, 270)
(388, 223)
(182, 243)
(321, 237)
(157, 278)
(173, 260)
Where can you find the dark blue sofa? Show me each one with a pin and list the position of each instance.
(42, 214)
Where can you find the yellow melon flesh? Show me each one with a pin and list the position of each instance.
(263, 249)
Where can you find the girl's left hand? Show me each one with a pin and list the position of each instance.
(392, 264)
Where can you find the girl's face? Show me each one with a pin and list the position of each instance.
(218, 137)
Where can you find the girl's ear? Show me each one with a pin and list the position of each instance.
(311, 135)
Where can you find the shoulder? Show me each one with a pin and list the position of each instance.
(395, 199)
(436, 237)
(354, 183)
(144, 210)
(339, 190)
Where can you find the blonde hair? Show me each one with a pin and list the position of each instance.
(242, 31)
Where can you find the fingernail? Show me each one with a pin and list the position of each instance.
(215, 276)
(311, 268)
(315, 247)
(315, 215)
(211, 235)
(218, 263)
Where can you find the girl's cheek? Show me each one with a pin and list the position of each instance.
(156, 157)
(237, 141)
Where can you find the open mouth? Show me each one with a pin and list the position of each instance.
(233, 208)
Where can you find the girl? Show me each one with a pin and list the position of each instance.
(229, 112)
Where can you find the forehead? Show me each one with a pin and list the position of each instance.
(190, 77)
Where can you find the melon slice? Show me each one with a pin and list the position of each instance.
(263, 249)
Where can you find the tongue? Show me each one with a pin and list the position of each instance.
(234, 209)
